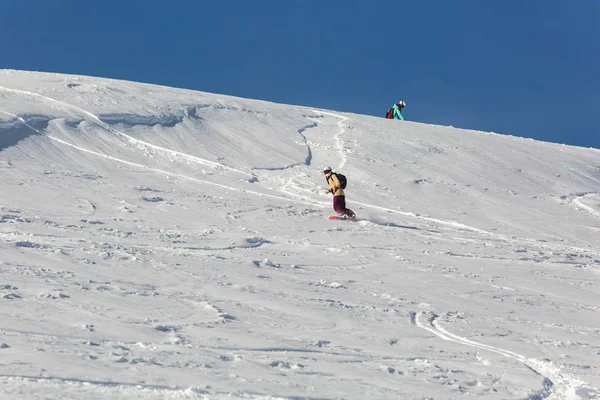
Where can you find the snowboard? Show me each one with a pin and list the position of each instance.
(339, 218)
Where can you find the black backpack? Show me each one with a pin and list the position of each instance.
(342, 179)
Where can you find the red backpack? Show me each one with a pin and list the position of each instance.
(390, 113)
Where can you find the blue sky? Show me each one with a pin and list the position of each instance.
(522, 67)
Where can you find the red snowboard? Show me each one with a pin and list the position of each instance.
(342, 218)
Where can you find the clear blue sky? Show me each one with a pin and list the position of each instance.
(523, 67)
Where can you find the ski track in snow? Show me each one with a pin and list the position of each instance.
(561, 386)
(337, 137)
(584, 175)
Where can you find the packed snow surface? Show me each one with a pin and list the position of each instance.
(160, 243)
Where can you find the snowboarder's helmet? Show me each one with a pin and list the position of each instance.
(327, 170)
(401, 103)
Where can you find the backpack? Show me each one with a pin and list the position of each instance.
(342, 179)
(390, 113)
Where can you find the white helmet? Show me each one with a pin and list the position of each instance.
(401, 103)
(327, 170)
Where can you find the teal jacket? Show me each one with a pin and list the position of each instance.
(398, 113)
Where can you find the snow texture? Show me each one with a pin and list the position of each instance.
(160, 243)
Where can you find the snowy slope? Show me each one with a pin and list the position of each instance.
(166, 243)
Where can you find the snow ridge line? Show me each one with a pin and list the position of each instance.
(312, 203)
(131, 139)
(563, 386)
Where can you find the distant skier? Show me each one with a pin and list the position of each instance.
(396, 111)
(339, 197)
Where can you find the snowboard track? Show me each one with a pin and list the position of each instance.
(557, 385)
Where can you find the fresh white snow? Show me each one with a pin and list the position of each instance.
(161, 243)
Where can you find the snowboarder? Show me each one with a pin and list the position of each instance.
(397, 110)
(339, 198)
